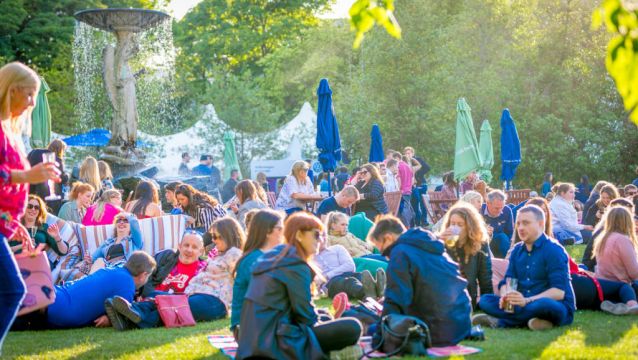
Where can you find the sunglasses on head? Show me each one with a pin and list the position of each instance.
(121, 221)
(32, 206)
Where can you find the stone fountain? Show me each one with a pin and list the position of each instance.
(119, 80)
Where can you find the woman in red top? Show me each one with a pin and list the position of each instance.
(18, 88)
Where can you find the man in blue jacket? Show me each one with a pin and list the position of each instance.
(500, 223)
(423, 281)
(544, 297)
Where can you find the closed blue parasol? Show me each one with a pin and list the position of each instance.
(510, 149)
(94, 137)
(376, 145)
(328, 140)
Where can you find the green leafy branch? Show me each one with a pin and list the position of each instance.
(365, 13)
(621, 18)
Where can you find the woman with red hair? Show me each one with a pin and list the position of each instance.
(278, 310)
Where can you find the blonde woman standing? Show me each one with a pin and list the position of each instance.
(18, 87)
(90, 174)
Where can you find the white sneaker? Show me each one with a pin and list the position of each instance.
(614, 308)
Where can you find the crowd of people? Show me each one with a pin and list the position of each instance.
(260, 257)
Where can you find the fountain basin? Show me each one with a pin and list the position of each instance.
(125, 20)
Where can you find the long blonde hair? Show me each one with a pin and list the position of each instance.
(12, 76)
(618, 219)
(476, 231)
(90, 173)
(102, 201)
(296, 168)
(332, 219)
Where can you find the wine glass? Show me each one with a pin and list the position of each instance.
(49, 157)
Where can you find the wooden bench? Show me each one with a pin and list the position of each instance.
(393, 200)
(436, 204)
(516, 197)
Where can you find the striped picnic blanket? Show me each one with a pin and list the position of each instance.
(159, 233)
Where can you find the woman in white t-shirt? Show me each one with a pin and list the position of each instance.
(297, 190)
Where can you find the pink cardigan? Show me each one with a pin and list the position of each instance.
(107, 218)
(618, 261)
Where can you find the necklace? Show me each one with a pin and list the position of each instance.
(33, 231)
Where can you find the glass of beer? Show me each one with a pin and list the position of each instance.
(451, 241)
(511, 285)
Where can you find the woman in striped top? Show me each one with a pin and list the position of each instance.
(201, 207)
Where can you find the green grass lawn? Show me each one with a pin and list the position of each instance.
(593, 335)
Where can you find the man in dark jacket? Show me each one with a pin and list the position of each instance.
(423, 281)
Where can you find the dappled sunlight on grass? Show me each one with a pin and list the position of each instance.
(72, 352)
(573, 344)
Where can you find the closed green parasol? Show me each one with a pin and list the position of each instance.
(486, 150)
(230, 155)
(466, 153)
(41, 118)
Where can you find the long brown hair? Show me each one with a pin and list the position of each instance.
(195, 198)
(145, 193)
(611, 191)
(230, 231)
(261, 224)
(42, 212)
(245, 190)
(374, 172)
(620, 220)
(58, 147)
(476, 231)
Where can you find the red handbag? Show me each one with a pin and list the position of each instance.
(36, 272)
(174, 310)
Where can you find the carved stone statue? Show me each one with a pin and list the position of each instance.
(119, 80)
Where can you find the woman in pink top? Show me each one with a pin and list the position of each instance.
(615, 248)
(19, 86)
(105, 209)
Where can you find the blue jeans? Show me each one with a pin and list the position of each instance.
(12, 289)
(420, 212)
(500, 244)
(583, 236)
(617, 291)
(204, 308)
(546, 309)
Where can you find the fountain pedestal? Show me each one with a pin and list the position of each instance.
(119, 80)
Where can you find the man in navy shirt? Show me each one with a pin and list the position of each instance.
(340, 202)
(544, 296)
(81, 303)
(500, 223)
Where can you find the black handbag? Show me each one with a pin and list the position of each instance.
(402, 335)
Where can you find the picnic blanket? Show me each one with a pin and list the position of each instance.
(227, 345)
(159, 233)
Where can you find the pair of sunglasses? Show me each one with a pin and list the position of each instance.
(122, 221)
(31, 207)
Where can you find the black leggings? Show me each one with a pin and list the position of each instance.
(337, 334)
(587, 295)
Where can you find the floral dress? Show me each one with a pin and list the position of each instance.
(217, 278)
